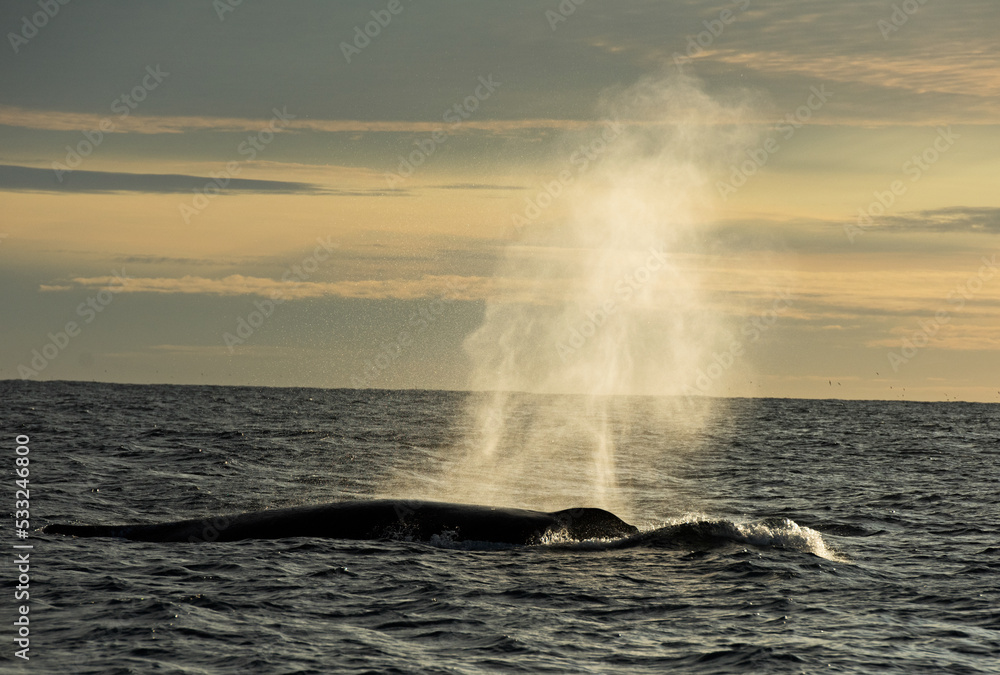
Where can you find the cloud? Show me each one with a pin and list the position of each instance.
(784, 47)
(47, 120)
(958, 336)
(979, 220)
(27, 179)
(819, 295)
(962, 72)
(479, 186)
(958, 86)
(162, 260)
(52, 120)
(456, 287)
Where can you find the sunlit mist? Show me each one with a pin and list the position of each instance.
(630, 318)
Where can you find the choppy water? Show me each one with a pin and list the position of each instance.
(788, 536)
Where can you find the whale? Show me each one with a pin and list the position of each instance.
(402, 519)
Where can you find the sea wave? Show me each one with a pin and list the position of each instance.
(700, 532)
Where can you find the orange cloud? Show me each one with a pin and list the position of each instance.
(464, 288)
(51, 120)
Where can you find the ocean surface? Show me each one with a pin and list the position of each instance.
(783, 536)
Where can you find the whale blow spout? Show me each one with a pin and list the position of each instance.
(375, 519)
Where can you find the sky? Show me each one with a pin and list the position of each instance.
(331, 194)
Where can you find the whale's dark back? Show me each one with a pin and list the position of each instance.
(374, 519)
(590, 523)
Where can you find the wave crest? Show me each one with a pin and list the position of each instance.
(781, 533)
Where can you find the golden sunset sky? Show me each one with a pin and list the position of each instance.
(168, 169)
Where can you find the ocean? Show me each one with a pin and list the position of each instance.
(780, 536)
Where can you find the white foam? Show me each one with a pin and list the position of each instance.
(786, 534)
